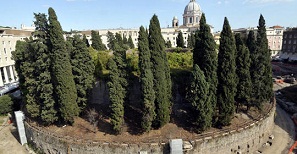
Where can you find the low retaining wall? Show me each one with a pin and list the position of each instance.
(245, 139)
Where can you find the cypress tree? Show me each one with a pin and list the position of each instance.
(254, 66)
(244, 85)
(130, 42)
(226, 75)
(205, 56)
(116, 96)
(161, 71)
(85, 40)
(146, 80)
(265, 59)
(82, 70)
(97, 41)
(125, 40)
(24, 64)
(180, 40)
(119, 40)
(168, 44)
(48, 112)
(190, 41)
(111, 40)
(63, 83)
(198, 96)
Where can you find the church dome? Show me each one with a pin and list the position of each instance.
(192, 7)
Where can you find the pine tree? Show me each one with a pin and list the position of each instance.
(265, 59)
(97, 41)
(198, 96)
(146, 80)
(125, 40)
(82, 70)
(85, 40)
(180, 40)
(130, 42)
(226, 75)
(63, 83)
(119, 40)
(161, 71)
(168, 44)
(205, 56)
(244, 85)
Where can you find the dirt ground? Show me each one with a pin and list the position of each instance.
(9, 143)
(82, 129)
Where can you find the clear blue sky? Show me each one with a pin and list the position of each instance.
(105, 14)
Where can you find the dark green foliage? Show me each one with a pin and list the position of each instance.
(5, 104)
(97, 41)
(161, 71)
(254, 69)
(168, 44)
(117, 94)
(119, 39)
(205, 56)
(130, 42)
(265, 58)
(24, 64)
(85, 40)
(125, 40)
(82, 70)
(111, 40)
(226, 75)
(146, 80)
(180, 40)
(191, 41)
(244, 85)
(198, 96)
(63, 83)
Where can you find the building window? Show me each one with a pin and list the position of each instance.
(197, 19)
(5, 58)
(191, 19)
(285, 36)
(289, 41)
(3, 42)
(285, 41)
(4, 50)
(294, 41)
(290, 36)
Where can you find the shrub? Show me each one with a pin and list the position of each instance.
(5, 104)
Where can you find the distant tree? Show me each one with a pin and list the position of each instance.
(161, 71)
(97, 41)
(146, 80)
(86, 41)
(168, 44)
(5, 104)
(111, 40)
(130, 42)
(190, 44)
(198, 96)
(119, 39)
(244, 85)
(62, 78)
(180, 40)
(265, 59)
(82, 70)
(226, 75)
(205, 56)
(125, 40)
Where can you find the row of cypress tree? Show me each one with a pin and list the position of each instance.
(154, 78)
(240, 74)
(55, 76)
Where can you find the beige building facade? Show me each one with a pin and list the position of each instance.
(8, 39)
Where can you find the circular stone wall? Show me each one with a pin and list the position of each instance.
(245, 139)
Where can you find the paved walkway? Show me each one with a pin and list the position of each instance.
(284, 134)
